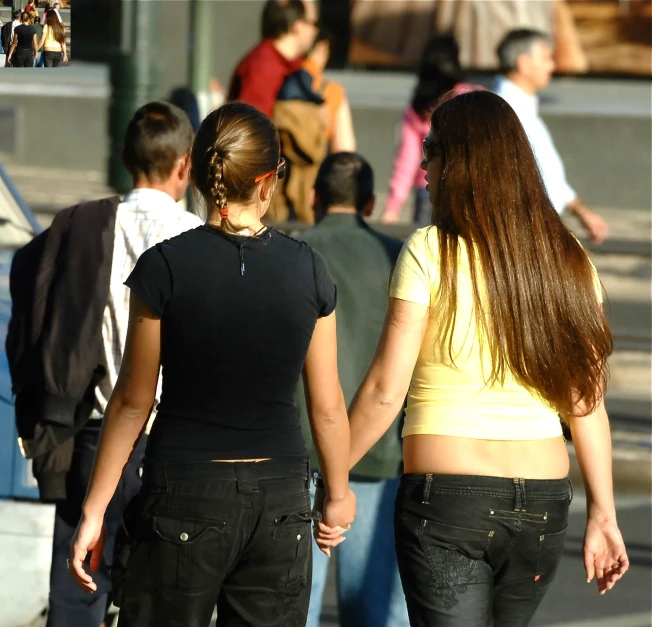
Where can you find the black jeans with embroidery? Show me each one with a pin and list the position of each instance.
(478, 551)
(233, 535)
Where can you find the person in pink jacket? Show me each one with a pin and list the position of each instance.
(439, 72)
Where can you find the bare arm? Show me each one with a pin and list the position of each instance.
(129, 408)
(35, 44)
(381, 395)
(604, 551)
(14, 43)
(42, 41)
(327, 408)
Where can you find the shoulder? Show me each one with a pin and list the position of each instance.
(294, 245)
(260, 52)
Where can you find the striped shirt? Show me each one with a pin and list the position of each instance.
(144, 218)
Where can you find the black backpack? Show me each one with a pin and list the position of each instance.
(5, 35)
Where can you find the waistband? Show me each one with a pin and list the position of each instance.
(478, 485)
(158, 474)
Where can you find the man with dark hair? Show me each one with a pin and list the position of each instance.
(527, 63)
(157, 155)
(288, 29)
(361, 262)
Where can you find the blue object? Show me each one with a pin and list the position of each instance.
(298, 86)
(368, 584)
(16, 480)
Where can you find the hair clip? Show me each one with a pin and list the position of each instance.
(224, 213)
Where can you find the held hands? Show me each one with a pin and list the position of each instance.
(605, 556)
(338, 516)
(89, 537)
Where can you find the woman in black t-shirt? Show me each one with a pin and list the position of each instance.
(24, 45)
(234, 312)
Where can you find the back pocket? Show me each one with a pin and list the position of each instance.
(549, 554)
(292, 537)
(187, 554)
(452, 552)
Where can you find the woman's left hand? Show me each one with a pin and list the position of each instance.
(89, 537)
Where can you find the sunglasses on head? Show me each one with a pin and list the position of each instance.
(429, 149)
(279, 171)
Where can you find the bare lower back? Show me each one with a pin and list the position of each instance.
(528, 459)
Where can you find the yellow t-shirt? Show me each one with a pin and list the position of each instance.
(51, 44)
(453, 399)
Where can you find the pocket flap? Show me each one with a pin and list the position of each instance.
(184, 531)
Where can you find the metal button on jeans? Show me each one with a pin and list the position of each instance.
(299, 537)
(183, 537)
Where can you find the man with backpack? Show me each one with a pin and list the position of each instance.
(68, 331)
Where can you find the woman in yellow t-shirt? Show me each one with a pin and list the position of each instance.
(53, 41)
(494, 330)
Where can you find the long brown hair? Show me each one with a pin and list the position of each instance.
(52, 20)
(537, 308)
(234, 145)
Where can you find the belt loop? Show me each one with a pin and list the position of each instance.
(519, 494)
(570, 491)
(426, 490)
(246, 477)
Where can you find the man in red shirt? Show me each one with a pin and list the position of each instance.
(289, 28)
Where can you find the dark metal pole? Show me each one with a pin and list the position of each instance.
(135, 75)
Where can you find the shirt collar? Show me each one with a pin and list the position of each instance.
(516, 96)
(341, 220)
(150, 199)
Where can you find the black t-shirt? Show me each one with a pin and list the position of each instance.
(237, 316)
(25, 34)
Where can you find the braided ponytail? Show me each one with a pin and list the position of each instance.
(218, 189)
(216, 174)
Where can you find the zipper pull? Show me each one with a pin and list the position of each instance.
(242, 266)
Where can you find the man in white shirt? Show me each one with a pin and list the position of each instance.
(527, 64)
(56, 8)
(157, 154)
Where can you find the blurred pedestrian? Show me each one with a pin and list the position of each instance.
(24, 47)
(289, 28)
(39, 32)
(339, 131)
(495, 330)
(439, 72)
(94, 247)
(45, 12)
(53, 41)
(233, 311)
(56, 8)
(361, 261)
(31, 9)
(7, 34)
(527, 64)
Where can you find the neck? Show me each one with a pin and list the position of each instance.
(166, 187)
(286, 47)
(240, 216)
(522, 83)
(335, 209)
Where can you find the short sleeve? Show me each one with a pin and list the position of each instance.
(151, 280)
(411, 280)
(325, 286)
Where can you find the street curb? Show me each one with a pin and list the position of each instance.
(632, 470)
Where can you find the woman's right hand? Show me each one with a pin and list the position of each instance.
(605, 555)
